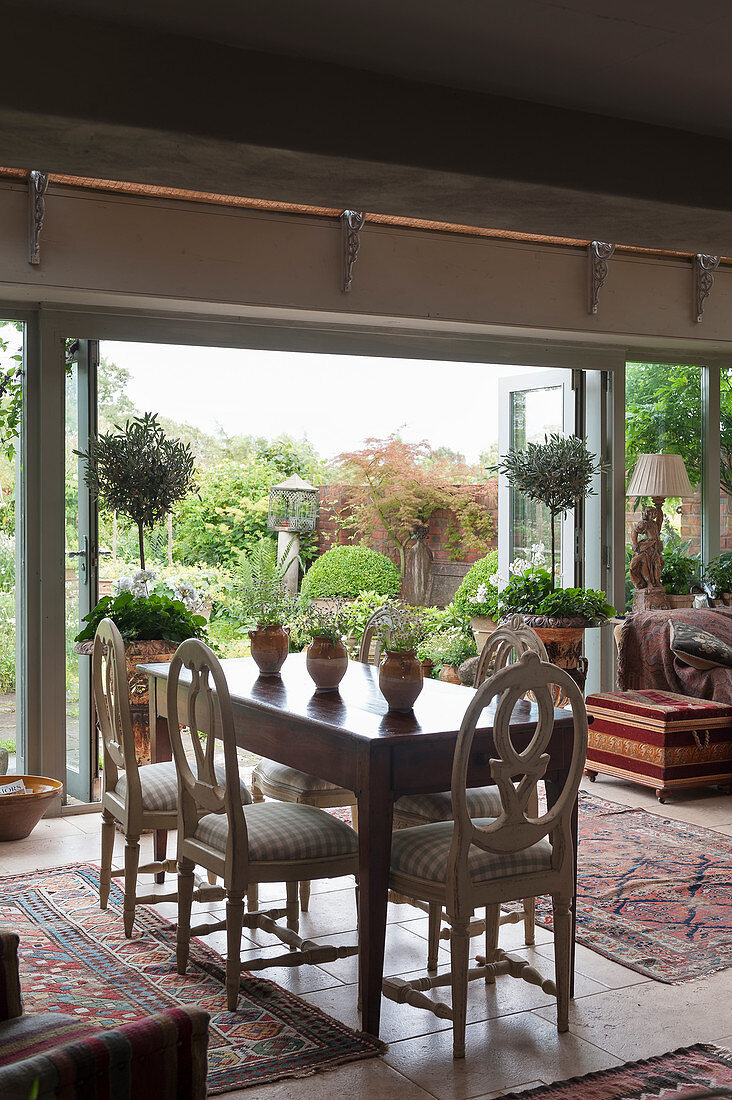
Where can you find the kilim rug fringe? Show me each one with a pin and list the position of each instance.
(75, 959)
(667, 1076)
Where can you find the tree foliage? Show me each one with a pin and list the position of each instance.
(663, 415)
(400, 485)
(139, 472)
(557, 473)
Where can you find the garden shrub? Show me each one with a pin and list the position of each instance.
(7, 562)
(7, 642)
(478, 574)
(348, 570)
(448, 647)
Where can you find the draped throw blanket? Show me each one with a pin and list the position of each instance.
(645, 659)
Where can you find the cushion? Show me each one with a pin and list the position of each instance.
(159, 784)
(698, 648)
(422, 852)
(37, 1032)
(423, 809)
(291, 782)
(284, 832)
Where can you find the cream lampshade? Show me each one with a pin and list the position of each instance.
(659, 476)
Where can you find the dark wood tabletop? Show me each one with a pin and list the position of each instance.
(349, 738)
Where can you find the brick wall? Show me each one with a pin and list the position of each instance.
(691, 521)
(333, 514)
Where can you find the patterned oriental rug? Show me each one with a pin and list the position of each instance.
(682, 1073)
(653, 894)
(75, 959)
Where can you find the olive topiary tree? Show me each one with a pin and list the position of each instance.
(139, 472)
(557, 472)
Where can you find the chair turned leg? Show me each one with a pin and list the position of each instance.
(433, 934)
(212, 878)
(105, 870)
(459, 952)
(529, 921)
(253, 898)
(293, 909)
(234, 922)
(132, 862)
(304, 896)
(492, 924)
(562, 958)
(186, 883)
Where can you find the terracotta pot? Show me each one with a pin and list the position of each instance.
(563, 648)
(326, 661)
(428, 667)
(482, 627)
(270, 645)
(400, 679)
(149, 652)
(449, 674)
(680, 601)
(20, 813)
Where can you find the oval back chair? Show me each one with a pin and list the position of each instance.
(471, 862)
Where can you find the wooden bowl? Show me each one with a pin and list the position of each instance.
(20, 813)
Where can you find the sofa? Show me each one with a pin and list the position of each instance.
(50, 1054)
(646, 660)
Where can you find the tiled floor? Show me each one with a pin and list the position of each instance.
(511, 1038)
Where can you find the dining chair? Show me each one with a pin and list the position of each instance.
(243, 845)
(277, 781)
(507, 643)
(466, 863)
(137, 797)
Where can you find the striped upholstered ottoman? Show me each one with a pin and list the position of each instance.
(660, 739)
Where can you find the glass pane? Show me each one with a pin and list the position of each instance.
(11, 551)
(664, 416)
(74, 567)
(725, 471)
(535, 413)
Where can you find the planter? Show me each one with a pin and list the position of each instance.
(326, 661)
(482, 627)
(148, 652)
(449, 675)
(270, 645)
(20, 813)
(680, 601)
(563, 640)
(400, 679)
(428, 667)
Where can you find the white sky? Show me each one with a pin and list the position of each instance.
(334, 401)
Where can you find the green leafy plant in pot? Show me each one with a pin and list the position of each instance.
(326, 659)
(558, 473)
(139, 472)
(401, 633)
(266, 604)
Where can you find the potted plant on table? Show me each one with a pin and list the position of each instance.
(326, 659)
(400, 669)
(139, 472)
(266, 604)
(558, 473)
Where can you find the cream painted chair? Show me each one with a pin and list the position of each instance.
(467, 863)
(507, 643)
(242, 845)
(277, 781)
(137, 797)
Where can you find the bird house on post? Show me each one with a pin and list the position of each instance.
(293, 509)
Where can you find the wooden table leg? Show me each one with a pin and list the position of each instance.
(554, 786)
(160, 750)
(375, 806)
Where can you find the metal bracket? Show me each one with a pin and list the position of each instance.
(37, 185)
(704, 268)
(599, 254)
(352, 221)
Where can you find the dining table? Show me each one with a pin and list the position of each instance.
(350, 738)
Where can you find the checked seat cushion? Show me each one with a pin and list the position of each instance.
(284, 832)
(422, 852)
(159, 784)
(423, 809)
